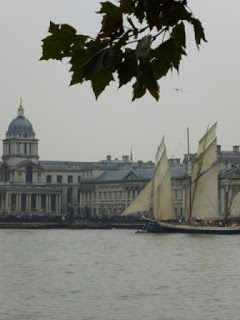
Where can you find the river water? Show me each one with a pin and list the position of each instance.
(118, 275)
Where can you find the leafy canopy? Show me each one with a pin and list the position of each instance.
(139, 41)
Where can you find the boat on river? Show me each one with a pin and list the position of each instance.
(202, 209)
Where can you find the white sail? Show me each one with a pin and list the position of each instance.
(162, 194)
(143, 202)
(234, 208)
(207, 139)
(157, 194)
(159, 152)
(204, 192)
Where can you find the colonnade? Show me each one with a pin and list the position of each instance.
(102, 198)
(11, 202)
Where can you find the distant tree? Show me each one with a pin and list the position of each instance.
(139, 39)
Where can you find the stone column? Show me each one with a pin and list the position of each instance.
(6, 202)
(20, 202)
(16, 203)
(126, 199)
(56, 203)
(27, 202)
(30, 202)
(47, 203)
(131, 195)
(59, 203)
(222, 201)
(39, 202)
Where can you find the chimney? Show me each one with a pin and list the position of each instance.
(125, 158)
(109, 157)
(236, 149)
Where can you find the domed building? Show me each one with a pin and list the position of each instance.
(20, 143)
(31, 186)
(22, 178)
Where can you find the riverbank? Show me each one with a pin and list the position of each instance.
(81, 224)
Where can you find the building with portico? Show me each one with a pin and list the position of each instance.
(29, 185)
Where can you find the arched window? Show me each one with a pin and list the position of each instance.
(29, 174)
(69, 195)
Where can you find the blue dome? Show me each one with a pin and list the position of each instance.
(20, 125)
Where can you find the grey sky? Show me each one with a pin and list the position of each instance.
(68, 121)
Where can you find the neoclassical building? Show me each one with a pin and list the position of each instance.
(32, 186)
(29, 185)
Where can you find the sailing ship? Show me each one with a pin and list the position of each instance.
(202, 209)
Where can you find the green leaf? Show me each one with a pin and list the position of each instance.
(178, 35)
(95, 64)
(139, 89)
(149, 80)
(128, 68)
(146, 81)
(100, 81)
(59, 44)
(110, 10)
(199, 31)
(144, 48)
(102, 60)
(127, 6)
(166, 57)
(81, 56)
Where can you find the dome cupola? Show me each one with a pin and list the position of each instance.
(20, 125)
(20, 143)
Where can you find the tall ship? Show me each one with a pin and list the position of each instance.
(202, 208)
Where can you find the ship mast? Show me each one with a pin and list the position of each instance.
(188, 175)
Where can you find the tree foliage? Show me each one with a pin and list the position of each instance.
(139, 41)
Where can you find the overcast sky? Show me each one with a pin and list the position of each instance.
(71, 125)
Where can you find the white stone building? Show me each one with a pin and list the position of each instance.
(29, 185)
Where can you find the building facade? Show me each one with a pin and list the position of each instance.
(31, 186)
(104, 188)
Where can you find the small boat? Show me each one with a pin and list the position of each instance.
(202, 212)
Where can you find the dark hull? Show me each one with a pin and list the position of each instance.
(158, 227)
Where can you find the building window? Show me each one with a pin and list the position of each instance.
(79, 195)
(49, 178)
(69, 195)
(59, 179)
(70, 179)
(79, 179)
(29, 174)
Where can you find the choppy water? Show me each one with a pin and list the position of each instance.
(118, 275)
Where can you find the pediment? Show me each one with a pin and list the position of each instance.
(131, 175)
(26, 163)
(233, 173)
